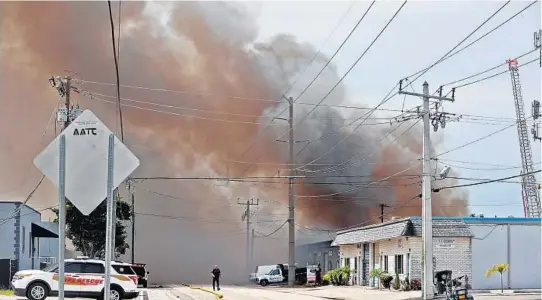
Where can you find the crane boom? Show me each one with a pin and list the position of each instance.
(531, 196)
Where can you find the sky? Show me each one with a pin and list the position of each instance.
(420, 35)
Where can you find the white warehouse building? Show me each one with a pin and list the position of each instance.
(466, 246)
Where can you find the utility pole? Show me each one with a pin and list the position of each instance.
(427, 217)
(291, 197)
(382, 212)
(291, 202)
(246, 217)
(252, 250)
(63, 86)
(131, 188)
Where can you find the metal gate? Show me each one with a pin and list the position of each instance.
(5, 273)
(365, 265)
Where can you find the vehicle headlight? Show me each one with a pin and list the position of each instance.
(17, 277)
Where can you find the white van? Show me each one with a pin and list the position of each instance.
(261, 270)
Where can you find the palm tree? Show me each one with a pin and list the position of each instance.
(500, 268)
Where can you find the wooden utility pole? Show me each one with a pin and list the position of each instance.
(68, 88)
(246, 217)
(382, 212)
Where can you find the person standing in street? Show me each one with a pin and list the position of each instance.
(318, 275)
(216, 277)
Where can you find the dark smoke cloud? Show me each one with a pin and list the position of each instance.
(207, 48)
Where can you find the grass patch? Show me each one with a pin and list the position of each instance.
(6, 292)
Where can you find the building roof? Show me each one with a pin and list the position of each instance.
(410, 226)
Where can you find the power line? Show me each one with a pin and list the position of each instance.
(2, 222)
(336, 52)
(444, 57)
(116, 67)
(44, 132)
(331, 169)
(273, 232)
(483, 182)
(297, 98)
(492, 30)
(487, 70)
(423, 71)
(476, 140)
(352, 66)
(494, 75)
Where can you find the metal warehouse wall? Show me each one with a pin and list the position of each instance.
(7, 230)
(515, 244)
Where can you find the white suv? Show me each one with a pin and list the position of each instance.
(82, 278)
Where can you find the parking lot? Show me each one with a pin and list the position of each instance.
(180, 292)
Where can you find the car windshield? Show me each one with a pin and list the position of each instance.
(124, 270)
(139, 270)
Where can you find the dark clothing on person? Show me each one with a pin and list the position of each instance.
(318, 275)
(216, 278)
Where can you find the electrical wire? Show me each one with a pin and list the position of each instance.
(483, 182)
(42, 137)
(444, 57)
(476, 140)
(494, 75)
(333, 169)
(335, 54)
(262, 132)
(351, 67)
(370, 220)
(423, 71)
(487, 70)
(492, 30)
(116, 68)
(2, 222)
(195, 219)
(273, 232)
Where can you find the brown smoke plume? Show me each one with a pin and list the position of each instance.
(208, 49)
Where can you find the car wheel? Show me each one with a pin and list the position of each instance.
(37, 291)
(116, 294)
(264, 282)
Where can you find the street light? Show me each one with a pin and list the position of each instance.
(444, 173)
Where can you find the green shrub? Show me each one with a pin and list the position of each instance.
(376, 273)
(339, 276)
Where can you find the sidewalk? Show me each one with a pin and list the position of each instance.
(351, 293)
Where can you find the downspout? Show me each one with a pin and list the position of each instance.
(508, 255)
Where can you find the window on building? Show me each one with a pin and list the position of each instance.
(347, 261)
(399, 269)
(386, 263)
(330, 265)
(23, 240)
(94, 268)
(355, 263)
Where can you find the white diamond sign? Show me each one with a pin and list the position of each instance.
(87, 140)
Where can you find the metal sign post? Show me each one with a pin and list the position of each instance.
(79, 172)
(61, 214)
(109, 234)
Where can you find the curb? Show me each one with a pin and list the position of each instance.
(217, 295)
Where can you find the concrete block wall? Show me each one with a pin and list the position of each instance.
(450, 253)
(455, 254)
